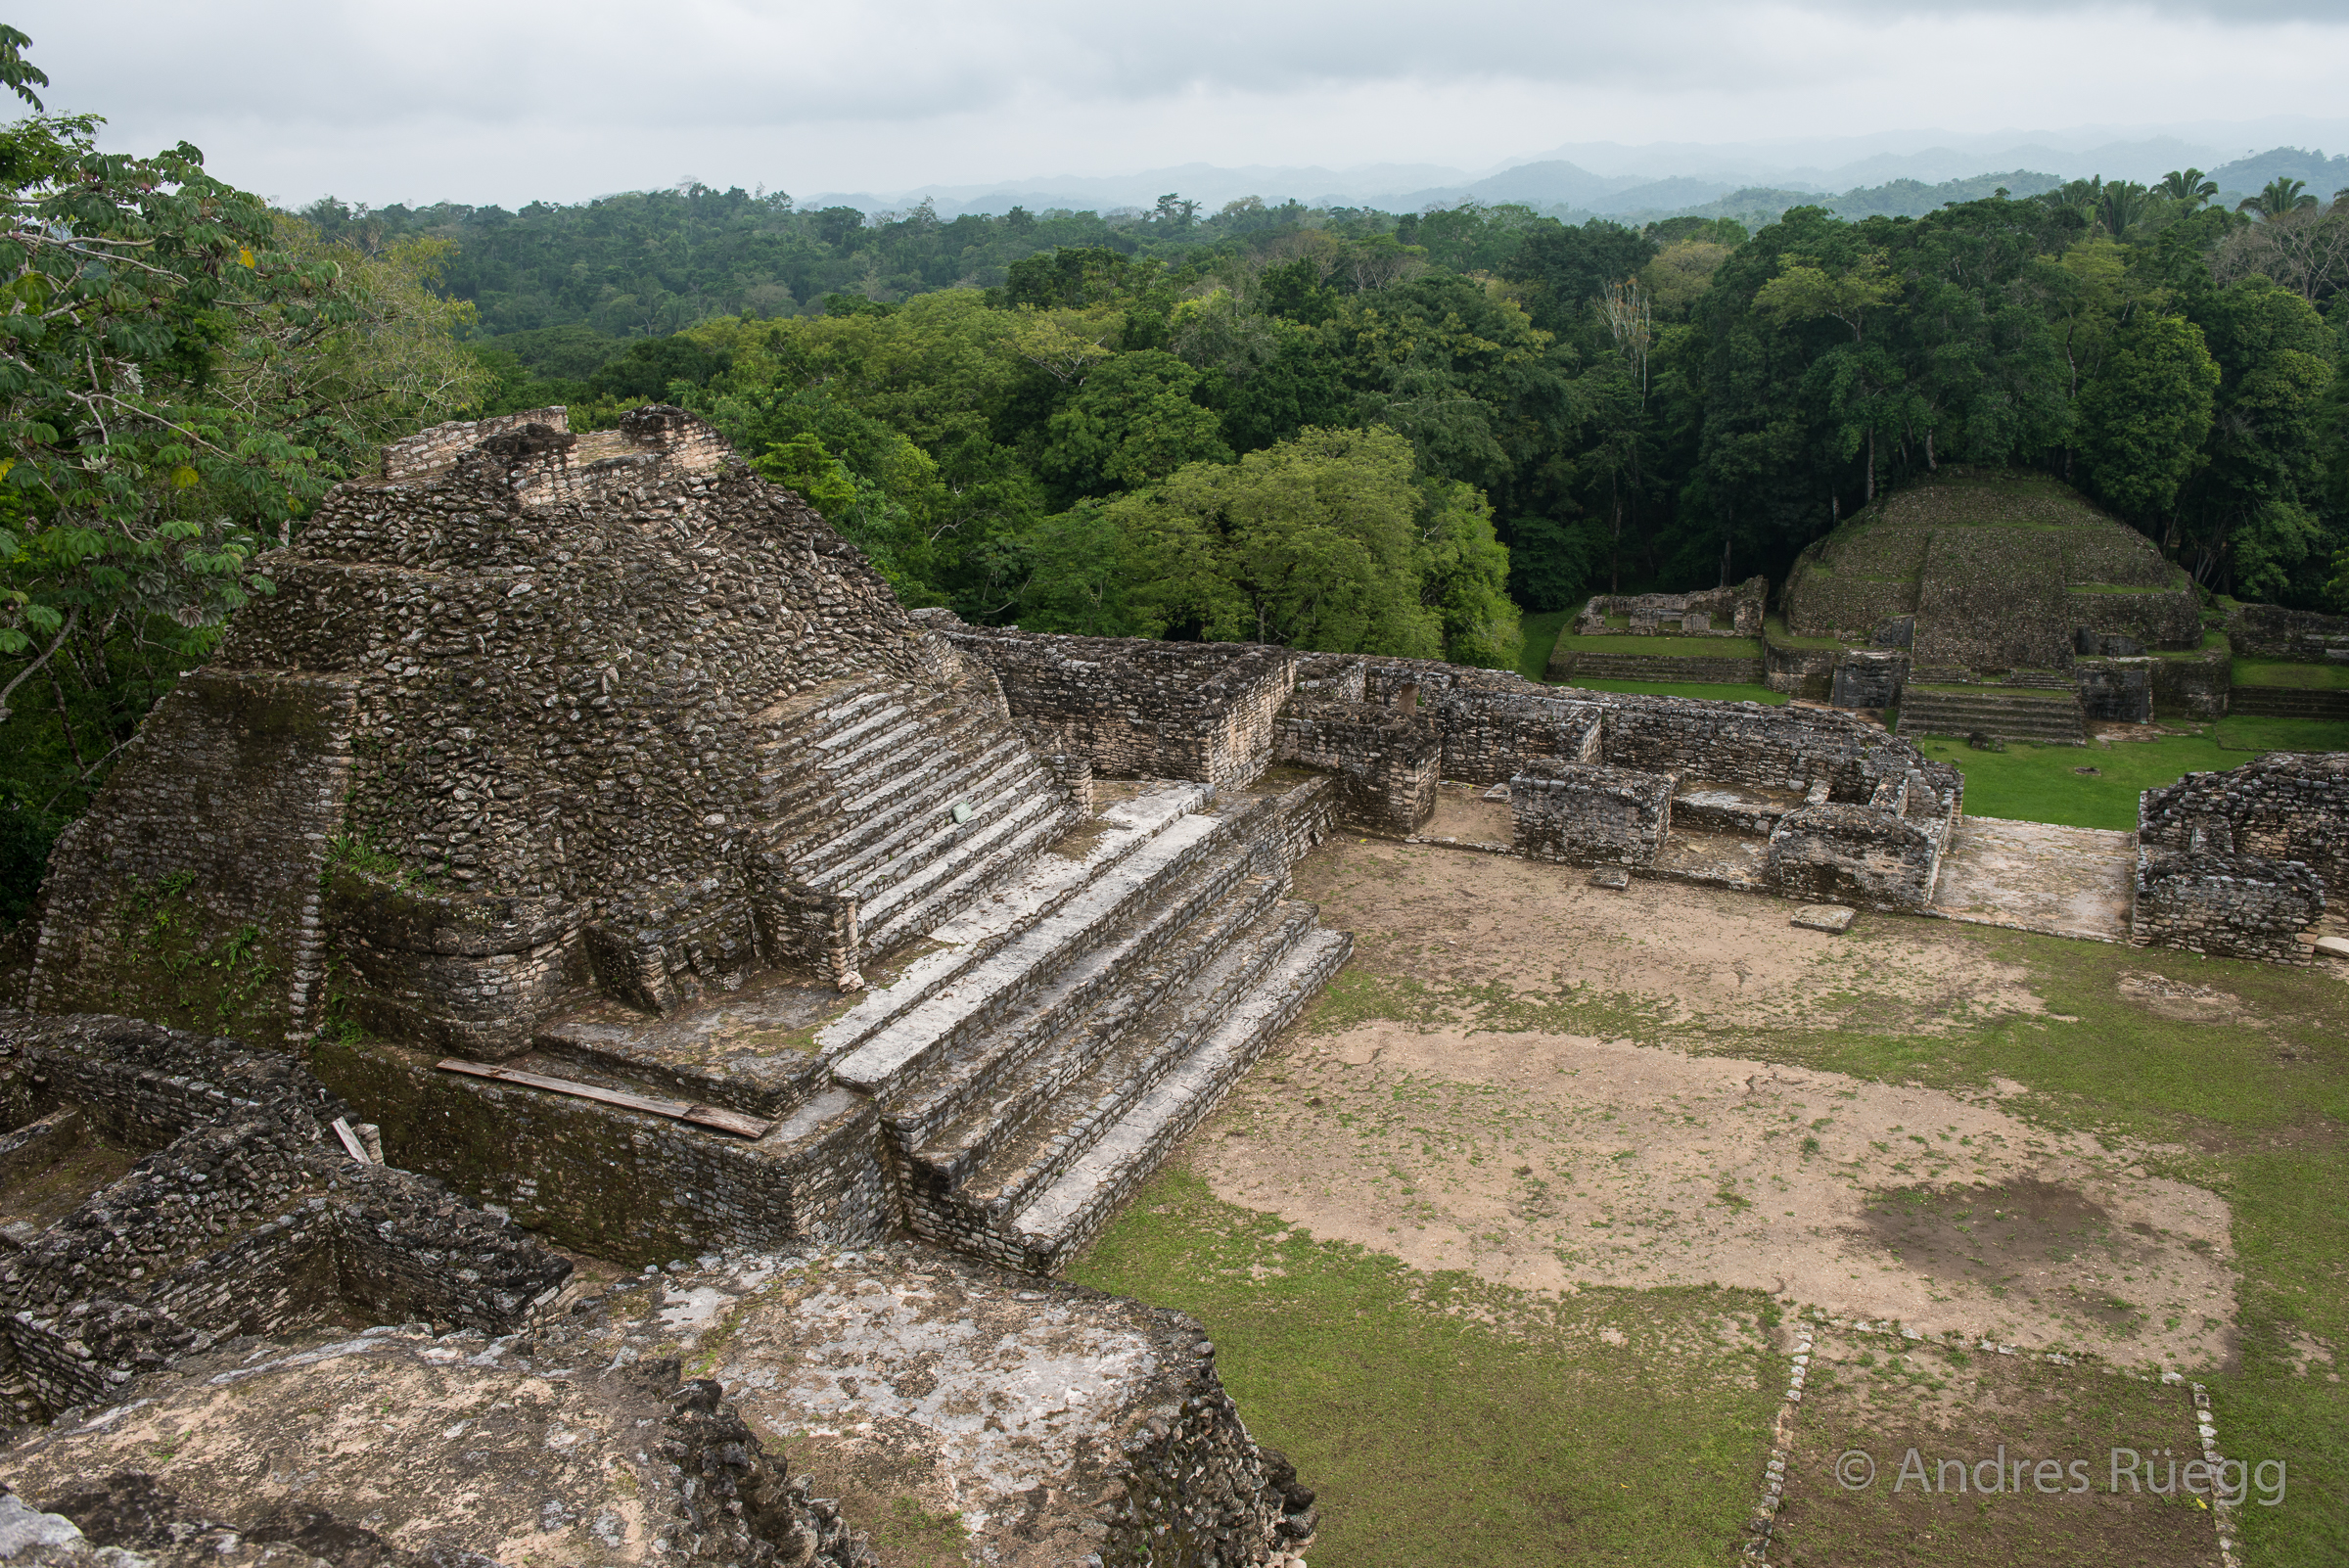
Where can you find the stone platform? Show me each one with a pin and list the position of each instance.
(2035, 876)
(1000, 1087)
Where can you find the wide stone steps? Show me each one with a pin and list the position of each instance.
(1584, 664)
(968, 1068)
(2289, 701)
(987, 991)
(2010, 713)
(919, 820)
(985, 928)
(917, 903)
(1072, 1210)
(1070, 1103)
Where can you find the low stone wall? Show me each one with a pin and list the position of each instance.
(1135, 708)
(247, 1217)
(1856, 855)
(1567, 663)
(2293, 636)
(1727, 611)
(2116, 690)
(634, 1188)
(2194, 685)
(2290, 702)
(1867, 678)
(1806, 673)
(1388, 760)
(2285, 806)
(1589, 815)
(2232, 906)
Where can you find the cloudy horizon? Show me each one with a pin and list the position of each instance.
(534, 102)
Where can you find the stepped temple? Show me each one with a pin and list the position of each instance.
(583, 831)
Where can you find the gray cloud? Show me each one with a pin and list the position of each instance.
(437, 96)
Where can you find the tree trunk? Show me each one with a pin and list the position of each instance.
(1930, 466)
(1871, 468)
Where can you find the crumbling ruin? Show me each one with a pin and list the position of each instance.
(1990, 601)
(592, 820)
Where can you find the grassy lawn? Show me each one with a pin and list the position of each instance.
(1711, 691)
(2253, 1110)
(1444, 1421)
(1447, 1419)
(1541, 637)
(2306, 677)
(1665, 646)
(2041, 784)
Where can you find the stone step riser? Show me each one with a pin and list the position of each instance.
(1142, 1066)
(1029, 846)
(929, 977)
(1162, 1117)
(973, 1060)
(943, 857)
(1075, 1040)
(922, 817)
(889, 1056)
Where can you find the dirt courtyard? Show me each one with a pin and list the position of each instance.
(1555, 1085)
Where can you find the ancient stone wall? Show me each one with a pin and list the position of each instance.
(2234, 905)
(631, 1187)
(246, 1216)
(1875, 856)
(1389, 760)
(1730, 612)
(2195, 685)
(1138, 708)
(2285, 806)
(2118, 690)
(190, 892)
(1589, 815)
(2295, 636)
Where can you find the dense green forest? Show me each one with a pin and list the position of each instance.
(1335, 428)
(1007, 398)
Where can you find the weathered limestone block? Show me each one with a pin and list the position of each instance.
(413, 1451)
(2287, 806)
(2237, 905)
(1389, 759)
(1589, 813)
(245, 1215)
(1867, 678)
(1856, 855)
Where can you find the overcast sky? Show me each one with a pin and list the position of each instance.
(509, 100)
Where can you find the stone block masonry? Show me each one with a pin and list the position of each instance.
(2285, 806)
(1589, 815)
(530, 719)
(2232, 906)
(244, 1215)
(1137, 709)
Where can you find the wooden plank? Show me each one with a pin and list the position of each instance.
(350, 1140)
(712, 1116)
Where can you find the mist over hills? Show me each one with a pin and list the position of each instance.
(1857, 175)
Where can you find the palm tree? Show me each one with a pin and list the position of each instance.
(2122, 204)
(2281, 196)
(2189, 186)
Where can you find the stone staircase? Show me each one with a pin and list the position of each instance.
(1028, 1081)
(2011, 712)
(911, 804)
(1584, 664)
(2289, 701)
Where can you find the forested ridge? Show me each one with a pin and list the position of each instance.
(1650, 407)
(1334, 429)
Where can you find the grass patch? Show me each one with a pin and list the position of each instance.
(2250, 732)
(2253, 1111)
(1665, 646)
(1541, 636)
(2037, 783)
(1448, 1422)
(2299, 677)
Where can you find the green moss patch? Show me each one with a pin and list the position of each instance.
(2299, 677)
